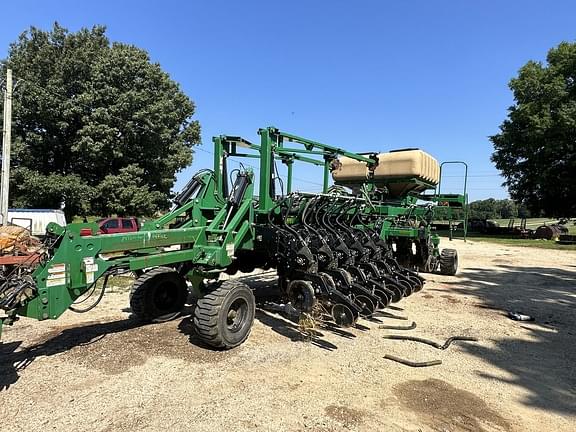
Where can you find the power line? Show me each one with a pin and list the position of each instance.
(138, 126)
(473, 175)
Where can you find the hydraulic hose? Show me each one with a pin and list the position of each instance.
(432, 343)
(391, 327)
(412, 363)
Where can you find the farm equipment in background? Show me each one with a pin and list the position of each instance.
(340, 254)
(18, 250)
(21, 245)
(550, 232)
(493, 228)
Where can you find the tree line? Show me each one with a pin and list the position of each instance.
(98, 128)
(536, 147)
(497, 209)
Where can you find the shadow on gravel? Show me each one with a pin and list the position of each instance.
(13, 360)
(290, 330)
(124, 343)
(130, 332)
(543, 365)
(266, 289)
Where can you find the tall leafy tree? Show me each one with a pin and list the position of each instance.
(536, 146)
(97, 125)
(493, 209)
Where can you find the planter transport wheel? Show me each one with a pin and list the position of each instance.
(449, 262)
(158, 295)
(224, 315)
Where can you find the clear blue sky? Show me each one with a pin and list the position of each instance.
(363, 75)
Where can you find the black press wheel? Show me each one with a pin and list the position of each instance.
(416, 282)
(158, 295)
(397, 291)
(301, 295)
(449, 262)
(223, 317)
(366, 304)
(343, 315)
(384, 298)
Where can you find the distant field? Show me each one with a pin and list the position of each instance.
(531, 223)
(542, 244)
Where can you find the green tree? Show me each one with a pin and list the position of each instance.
(523, 211)
(493, 209)
(506, 209)
(127, 193)
(97, 125)
(536, 146)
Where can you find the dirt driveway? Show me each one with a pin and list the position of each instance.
(101, 372)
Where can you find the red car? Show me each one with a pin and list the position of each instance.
(113, 225)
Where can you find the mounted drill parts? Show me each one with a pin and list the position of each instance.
(341, 254)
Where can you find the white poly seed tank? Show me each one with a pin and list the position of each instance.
(407, 164)
(393, 167)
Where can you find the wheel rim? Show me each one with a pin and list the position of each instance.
(237, 315)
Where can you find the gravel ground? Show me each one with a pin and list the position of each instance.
(101, 372)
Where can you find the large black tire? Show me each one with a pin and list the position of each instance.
(223, 317)
(158, 295)
(449, 262)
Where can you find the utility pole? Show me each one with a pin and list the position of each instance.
(6, 137)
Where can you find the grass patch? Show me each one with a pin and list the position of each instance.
(541, 244)
(531, 223)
